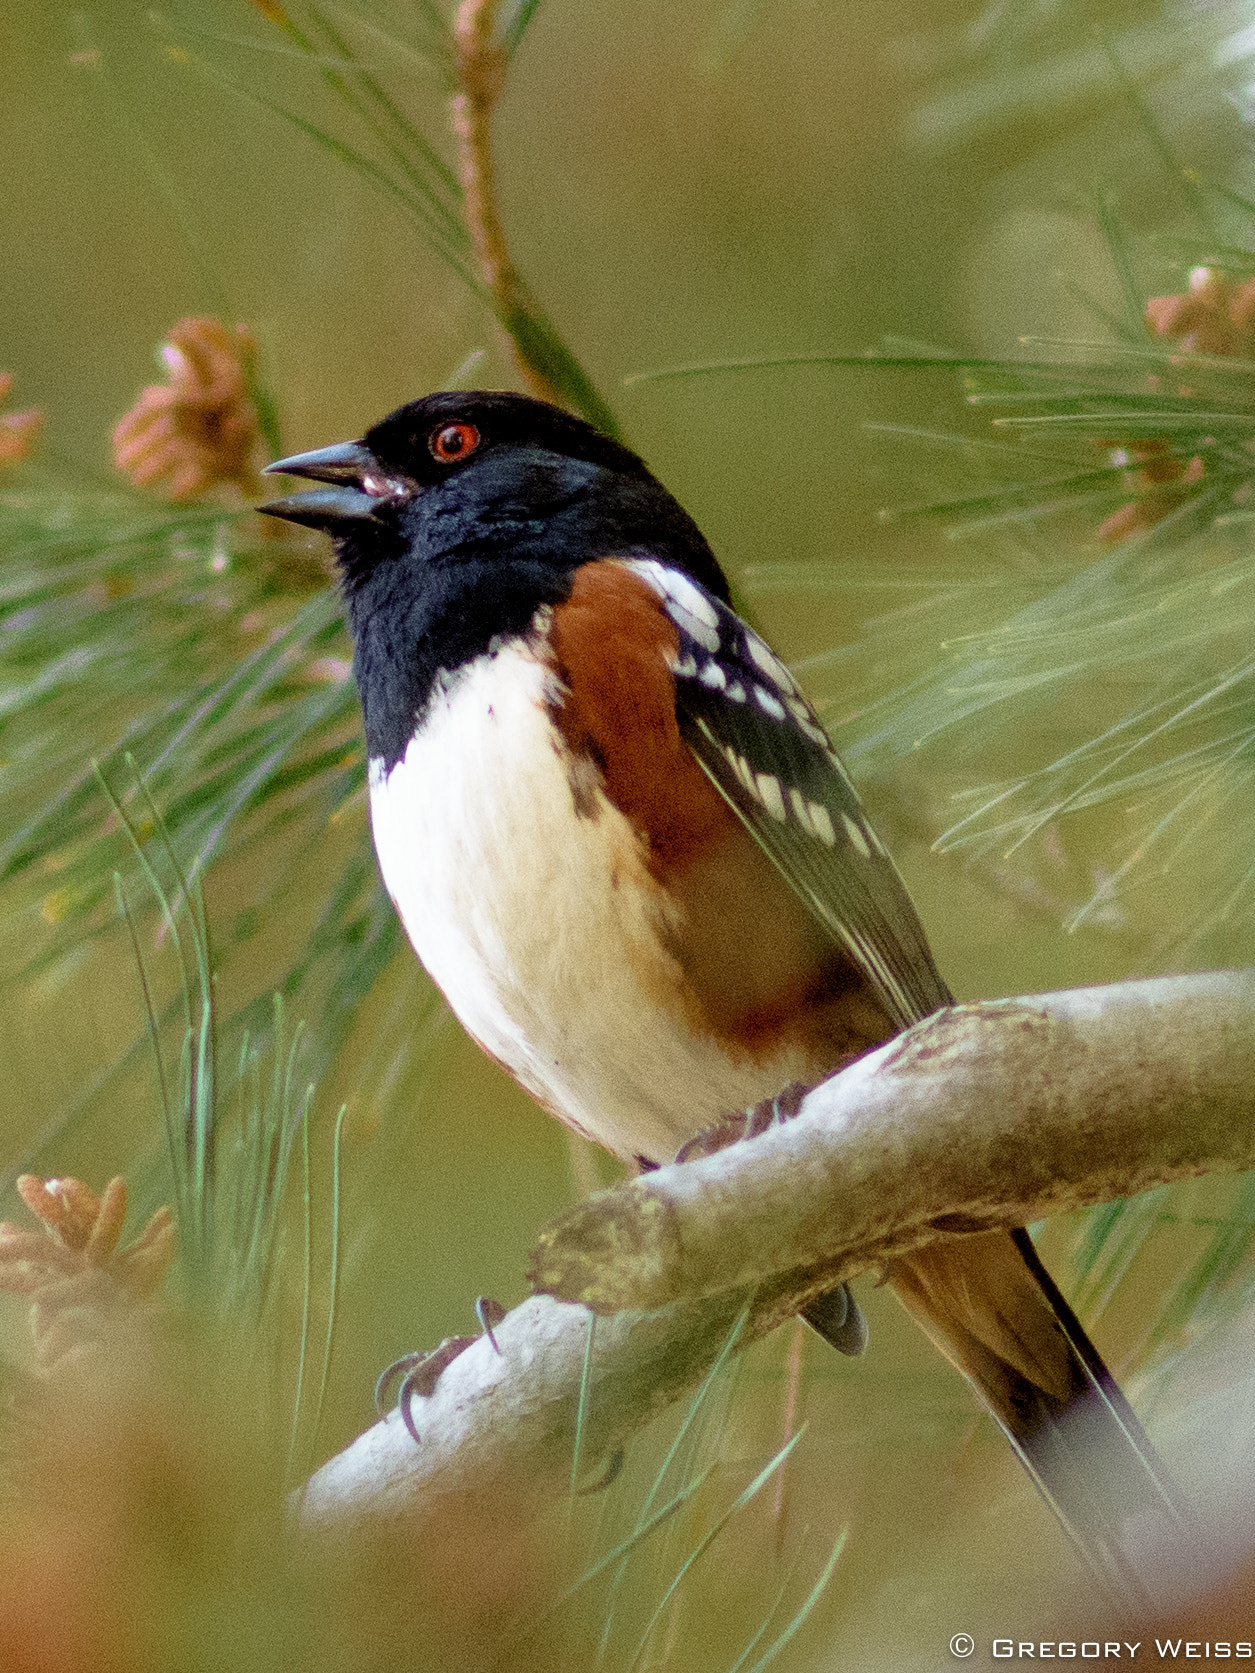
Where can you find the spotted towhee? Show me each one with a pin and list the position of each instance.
(621, 842)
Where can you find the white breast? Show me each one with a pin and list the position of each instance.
(541, 926)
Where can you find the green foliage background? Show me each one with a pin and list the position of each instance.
(723, 183)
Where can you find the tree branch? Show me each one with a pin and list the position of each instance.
(501, 1427)
(989, 1114)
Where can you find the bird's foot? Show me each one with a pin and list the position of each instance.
(745, 1124)
(834, 1315)
(420, 1372)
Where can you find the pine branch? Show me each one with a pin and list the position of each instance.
(989, 1114)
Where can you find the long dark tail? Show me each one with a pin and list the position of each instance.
(995, 1312)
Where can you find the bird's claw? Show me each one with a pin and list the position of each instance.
(613, 1465)
(489, 1313)
(745, 1124)
(420, 1372)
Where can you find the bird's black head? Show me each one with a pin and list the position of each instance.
(456, 517)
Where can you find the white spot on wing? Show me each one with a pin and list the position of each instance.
(838, 766)
(769, 663)
(771, 795)
(736, 691)
(741, 767)
(649, 569)
(684, 600)
(802, 712)
(685, 666)
(801, 812)
(855, 834)
(690, 597)
(822, 822)
(707, 637)
(771, 705)
(713, 676)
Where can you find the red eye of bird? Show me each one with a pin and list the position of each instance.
(453, 441)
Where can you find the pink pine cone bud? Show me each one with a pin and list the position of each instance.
(198, 430)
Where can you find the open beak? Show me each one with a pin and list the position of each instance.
(359, 485)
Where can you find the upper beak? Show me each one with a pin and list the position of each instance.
(359, 484)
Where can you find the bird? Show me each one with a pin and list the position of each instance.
(621, 841)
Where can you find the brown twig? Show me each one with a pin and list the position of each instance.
(481, 69)
(546, 365)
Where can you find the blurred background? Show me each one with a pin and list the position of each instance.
(1052, 725)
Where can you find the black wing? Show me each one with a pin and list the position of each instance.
(761, 743)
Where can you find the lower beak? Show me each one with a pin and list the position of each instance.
(358, 486)
(326, 508)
